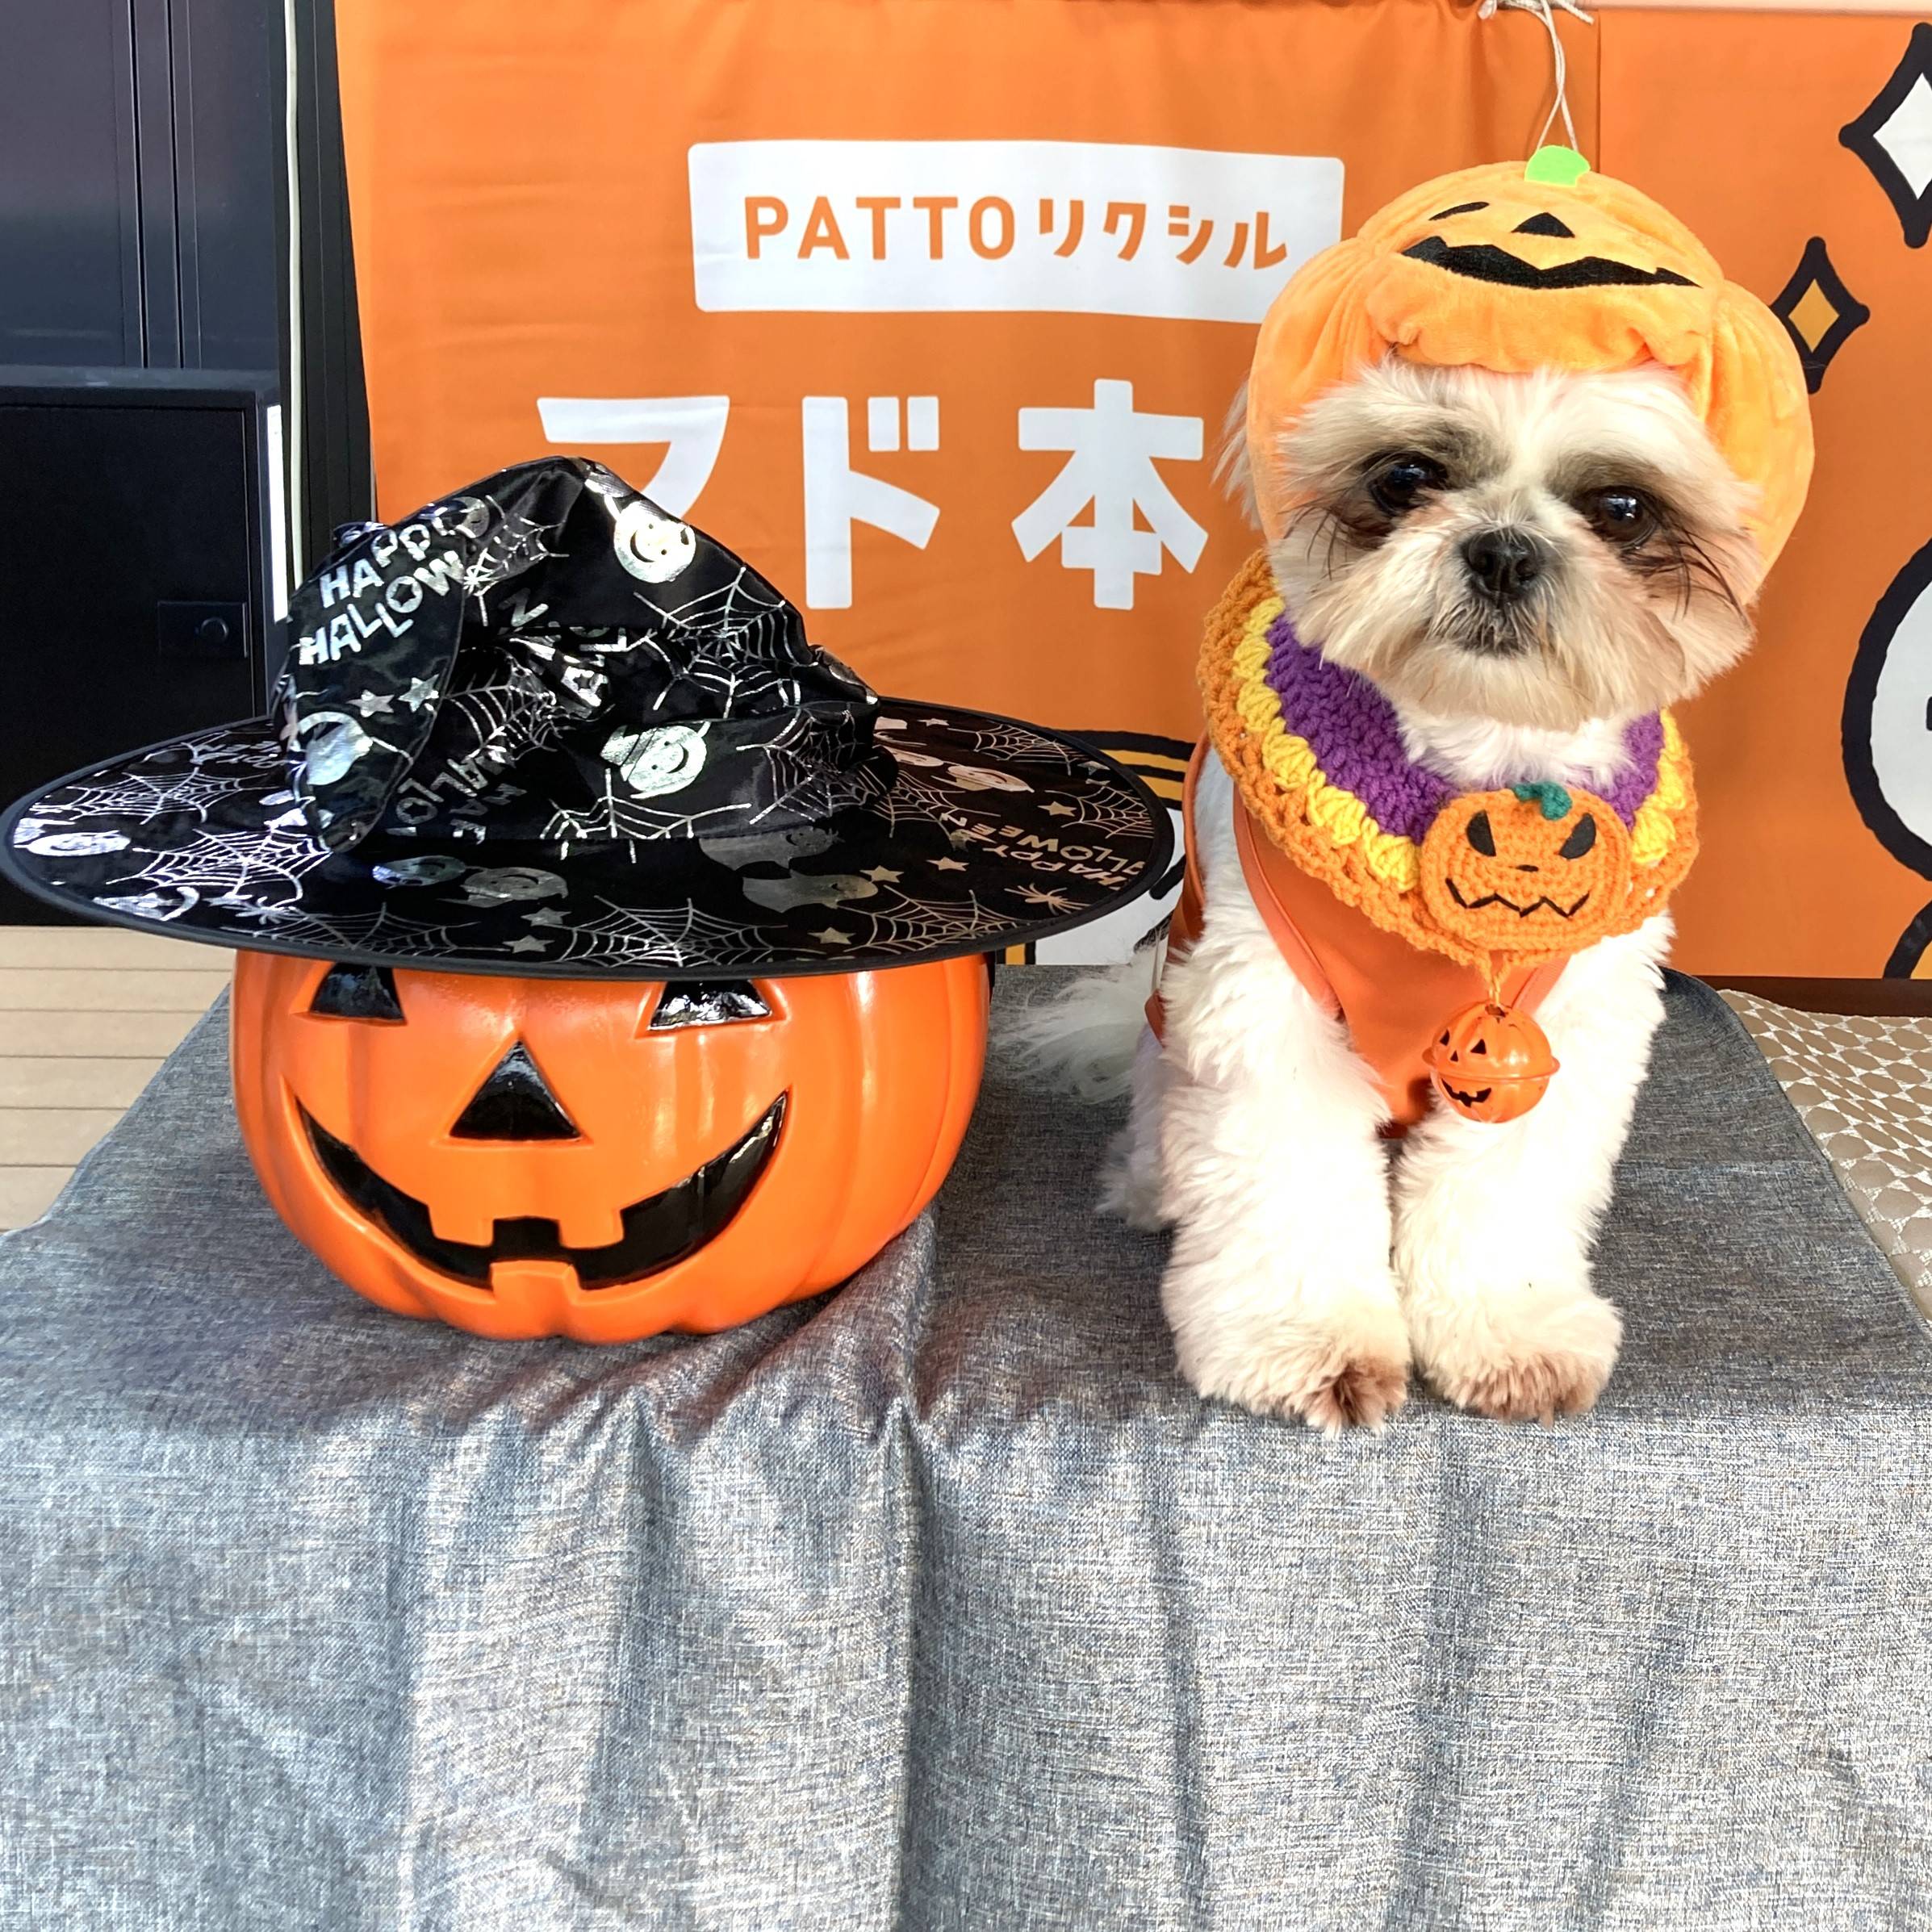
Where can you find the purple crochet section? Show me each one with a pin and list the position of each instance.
(1352, 728)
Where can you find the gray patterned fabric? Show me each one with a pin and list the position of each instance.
(941, 1603)
(1863, 1086)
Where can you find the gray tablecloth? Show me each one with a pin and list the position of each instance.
(941, 1603)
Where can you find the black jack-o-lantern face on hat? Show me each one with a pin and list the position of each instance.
(1536, 231)
(1519, 240)
(1547, 266)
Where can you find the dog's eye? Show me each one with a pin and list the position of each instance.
(1398, 482)
(1620, 514)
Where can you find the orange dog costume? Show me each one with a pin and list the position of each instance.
(1396, 926)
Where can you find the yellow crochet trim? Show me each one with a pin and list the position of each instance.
(1329, 833)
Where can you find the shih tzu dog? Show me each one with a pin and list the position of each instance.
(1520, 565)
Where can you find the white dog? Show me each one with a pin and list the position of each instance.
(1520, 564)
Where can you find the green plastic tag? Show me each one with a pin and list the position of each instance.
(1563, 167)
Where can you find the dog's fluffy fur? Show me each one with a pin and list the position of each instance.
(1310, 1269)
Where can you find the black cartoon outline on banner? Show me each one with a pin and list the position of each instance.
(1816, 270)
(1863, 137)
(1882, 818)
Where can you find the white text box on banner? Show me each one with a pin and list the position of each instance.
(1082, 227)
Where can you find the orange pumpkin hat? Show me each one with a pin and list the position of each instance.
(1514, 267)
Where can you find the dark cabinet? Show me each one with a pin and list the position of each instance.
(141, 176)
(140, 579)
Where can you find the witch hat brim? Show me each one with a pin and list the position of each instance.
(993, 834)
(540, 728)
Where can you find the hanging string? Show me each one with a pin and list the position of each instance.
(1542, 10)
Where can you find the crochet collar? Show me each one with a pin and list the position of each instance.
(1512, 877)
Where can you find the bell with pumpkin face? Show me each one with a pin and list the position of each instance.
(613, 959)
(1491, 1063)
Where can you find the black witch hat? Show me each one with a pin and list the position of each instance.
(541, 728)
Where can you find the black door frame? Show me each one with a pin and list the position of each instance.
(332, 453)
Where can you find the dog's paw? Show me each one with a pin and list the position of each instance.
(1335, 1373)
(1520, 1355)
(1130, 1187)
(1362, 1391)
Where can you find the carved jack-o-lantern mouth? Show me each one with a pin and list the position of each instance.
(660, 1230)
(1542, 903)
(1484, 261)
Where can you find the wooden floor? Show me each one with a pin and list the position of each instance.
(86, 1014)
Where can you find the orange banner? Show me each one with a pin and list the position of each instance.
(934, 308)
(1737, 122)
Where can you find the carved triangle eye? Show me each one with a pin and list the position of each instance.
(708, 1003)
(515, 1103)
(363, 992)
(1481, 835)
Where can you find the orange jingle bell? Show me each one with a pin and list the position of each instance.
(1491, 1063)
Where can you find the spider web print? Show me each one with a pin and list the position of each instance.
(759, 626)
(684, 935)
(812, 771)
(736, 686)
(745, 661)
(922, 793)
(514, 544)
(1012, 745)
(381, 931)
(217, 770)
(677, 936)
(1107, 812)
(246, 868)
(513, 713)
(1101, 810)
(918, 797)
(803, 780)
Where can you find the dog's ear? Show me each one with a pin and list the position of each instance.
(1232, 471)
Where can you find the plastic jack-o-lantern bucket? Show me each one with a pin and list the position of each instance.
(603, 1160)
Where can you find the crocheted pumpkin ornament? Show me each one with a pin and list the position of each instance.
(1509, 268)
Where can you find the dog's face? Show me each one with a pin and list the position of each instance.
(1537, 549)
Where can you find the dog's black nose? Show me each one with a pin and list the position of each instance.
(1505, 563)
